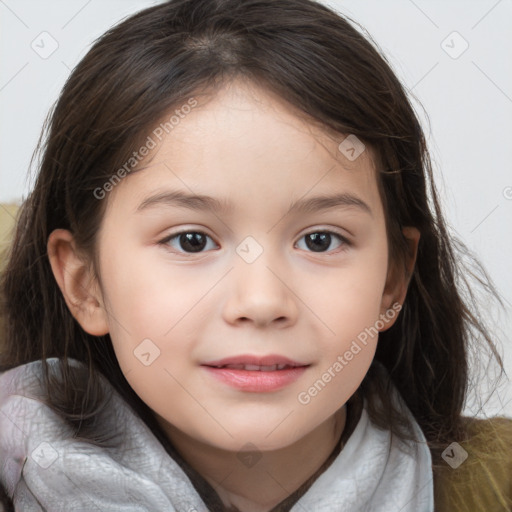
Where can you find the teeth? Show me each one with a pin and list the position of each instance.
(255, 367)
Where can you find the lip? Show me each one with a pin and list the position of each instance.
(256, 381)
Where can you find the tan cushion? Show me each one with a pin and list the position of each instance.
(7, 222)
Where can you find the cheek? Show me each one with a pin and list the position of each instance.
(349, 299)
(143, 295)
(150, 300)
(139, 305)
(349, 310)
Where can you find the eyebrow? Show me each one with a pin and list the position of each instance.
(211, 204)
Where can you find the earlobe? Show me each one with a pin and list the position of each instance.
(79, 288)
(398, 280)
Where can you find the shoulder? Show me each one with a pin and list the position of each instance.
(480, 474)
(26, 422)
(25, 382)
(22, 383)
(17, 409)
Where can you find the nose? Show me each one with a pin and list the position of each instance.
(260, 293)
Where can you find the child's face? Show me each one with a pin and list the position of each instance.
(256, 285)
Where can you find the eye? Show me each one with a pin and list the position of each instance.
(320, 241)
(189, 241)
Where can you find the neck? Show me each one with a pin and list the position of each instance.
(259, 487)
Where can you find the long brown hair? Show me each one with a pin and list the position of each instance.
(322, 65)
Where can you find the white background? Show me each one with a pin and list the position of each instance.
(468, 100)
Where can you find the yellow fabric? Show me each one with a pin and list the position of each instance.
(483, 482)
(7, 221)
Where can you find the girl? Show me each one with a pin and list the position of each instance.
(232, 287)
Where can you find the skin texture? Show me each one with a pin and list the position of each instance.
(249, 148)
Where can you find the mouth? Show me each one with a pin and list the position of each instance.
(256, 368)
(270, 362)
(256, 374)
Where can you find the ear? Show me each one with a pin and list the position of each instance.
(77, 284)
(398, 279)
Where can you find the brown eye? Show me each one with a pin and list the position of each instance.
(192, 242)
(320, 241)
(187, 241)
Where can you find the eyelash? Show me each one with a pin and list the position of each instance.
(345, 243)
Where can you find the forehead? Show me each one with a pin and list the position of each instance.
(243, 142)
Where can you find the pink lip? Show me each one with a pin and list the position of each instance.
(256, 381)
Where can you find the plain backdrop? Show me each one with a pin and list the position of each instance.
(454, 57)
